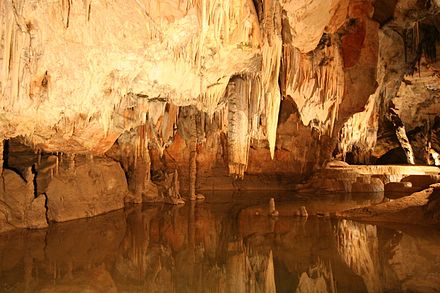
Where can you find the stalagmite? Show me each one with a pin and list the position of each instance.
(192, 145)
(71, 162)
(195, 133)
(174, 196)
(272, 210)
(57, 165)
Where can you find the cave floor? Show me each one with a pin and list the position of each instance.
(224, 244)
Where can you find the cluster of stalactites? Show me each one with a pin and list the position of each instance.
(252, 113)
(223, 25)
(254, 101)
(360, 131)
(15, 62)
(315, 82)
(157, 130)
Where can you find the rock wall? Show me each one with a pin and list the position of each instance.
(400, 116)
(58, 191)
(89, 189)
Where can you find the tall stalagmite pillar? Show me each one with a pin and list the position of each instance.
(193, 157)
(238, 127)
(1, 156)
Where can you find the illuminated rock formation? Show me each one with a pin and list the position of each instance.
(197, 93)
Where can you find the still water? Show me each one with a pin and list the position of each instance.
(222, 245)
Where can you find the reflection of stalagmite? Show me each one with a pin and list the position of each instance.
(28, 267)
(358, 247)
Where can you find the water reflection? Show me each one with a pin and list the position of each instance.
(219, 247)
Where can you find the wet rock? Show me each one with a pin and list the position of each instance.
(92, 189)
(367, 184)
(18, 206)
(421, 181)
(398, 189)
(198, 196)
(94, 280)
(169, 187)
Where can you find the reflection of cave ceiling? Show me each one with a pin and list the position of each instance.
(75, 74)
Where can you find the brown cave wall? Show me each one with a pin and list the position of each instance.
(408, 79)
(299, 150)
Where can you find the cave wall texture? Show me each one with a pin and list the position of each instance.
(217, 89)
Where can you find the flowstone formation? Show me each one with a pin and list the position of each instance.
(191, 95)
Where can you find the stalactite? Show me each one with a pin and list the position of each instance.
(169, 121)
(222, 24)
(401, 136)
(269, 78)
(360, 131)
(256, 108)
(272, 49)
(238, 126)
(210, 99)
(16, 63)
(315, 82)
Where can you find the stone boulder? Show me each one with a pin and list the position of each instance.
(19, 208)
(421, 181)
(367, 184)
(91, 188)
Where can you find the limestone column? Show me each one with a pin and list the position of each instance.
(192, 157)
(1, 156)
(71, 162)
(238, 126)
